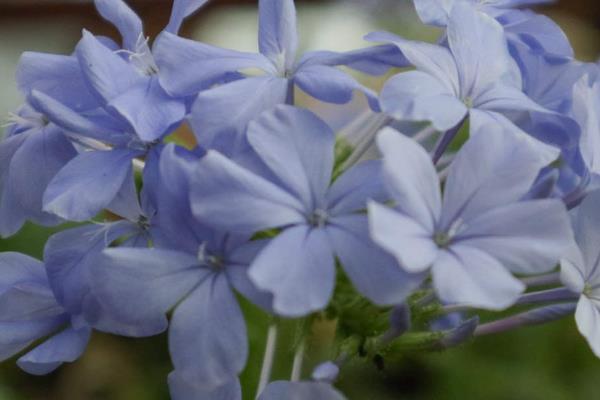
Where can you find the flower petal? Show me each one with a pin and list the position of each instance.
(277, 32)
(304, 283)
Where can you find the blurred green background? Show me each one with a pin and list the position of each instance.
(547, 363)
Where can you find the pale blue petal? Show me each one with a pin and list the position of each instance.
(406, 239)
(181, 10)
(192, 389)
(300, 391)
(277, 32)
(587, 316)
(374, 273)
(480, 49)
(208, 326)
(187, 67)
(88, 183)
(33, 167)
(434, 12)
(505, 98)
(432, 59)
(150, 111)
(418, 96)
(528, 237)
(105, 72)
(494, 158)
(410, 178)
(139, 286)
(66, 346)
(305, 282)
(69, 254)
(466, 275)
(298, 147)
(57, 76)
(331, 85)
(351, 191)
(219, 116)
(219, 188)
(124, 19)
(17, 267)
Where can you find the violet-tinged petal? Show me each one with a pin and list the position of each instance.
(88, 183)
(326, 372)
(72, 121)
(351, 191)
(150, 111)
(494, 157)
(106, 73)
(277, 32)
(372, 271)
(432, 59)
(220, 186)
(527, 237)
(181, 10)
(181, 388)
(70, 254)
(505, 98)
(124, 19)
(300, 391)
(126, 204)
(418, 96)
(298, 147)
(586, 111)
(209, 326)
(403, 237)
(57, 76)
(237, 273)
(479, 47)
(17, 267)
(139, 286)
(410, 177)
(332, 85)
(187, 67)
(466, 275)
(66, 346)
(219, 116)
(587, 316)
(305, 282)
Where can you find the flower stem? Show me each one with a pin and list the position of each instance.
(267, 366)
(533, 317)
(297, 365)
(547, 296)
(552, 278)
(444, 141)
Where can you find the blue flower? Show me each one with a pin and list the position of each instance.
(132, 115)
(29, 312)
(580, 272)
(481, 231)
(221, 114)
(194, 271)
(476, 76)
(523, 28)
(319, 221)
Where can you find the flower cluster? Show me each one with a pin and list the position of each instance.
(486, 178)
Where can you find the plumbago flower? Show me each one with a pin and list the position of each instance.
(482, 230)
(132, 116)
(475, 76)
(193, 270)
(580, 272)
(35, 149)
(318, 220)
(221, 114)
(523, 27)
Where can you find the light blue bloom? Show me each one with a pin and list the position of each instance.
(580, 272)
(481, 231)
(475, 76)
(318, 220)
(221, 114)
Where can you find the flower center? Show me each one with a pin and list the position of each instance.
(318, 218)
(206, 259)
